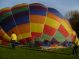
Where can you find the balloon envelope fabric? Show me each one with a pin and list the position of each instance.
(35, 21)
(4, 38)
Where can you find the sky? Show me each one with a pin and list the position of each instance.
(63, 6)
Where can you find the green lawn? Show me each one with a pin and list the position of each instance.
(25, 53)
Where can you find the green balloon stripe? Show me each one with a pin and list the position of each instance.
(20, 10)
(45, 37)
(59, 37)
(2, 17)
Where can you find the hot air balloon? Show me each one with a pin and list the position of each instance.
(36, 22)
(4, 38)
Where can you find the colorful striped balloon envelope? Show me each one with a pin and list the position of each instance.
(35, 21)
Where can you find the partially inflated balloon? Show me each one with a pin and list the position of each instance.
(34, 21)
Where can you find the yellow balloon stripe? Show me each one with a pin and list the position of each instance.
(24, 35)
(52, 16)
(73, 32)
(4, 34)
(68, 23)
(35, 27)
(52, 22)
(66, 26)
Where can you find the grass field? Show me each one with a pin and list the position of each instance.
(25, 53)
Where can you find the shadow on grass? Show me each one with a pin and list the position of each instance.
(46, 51)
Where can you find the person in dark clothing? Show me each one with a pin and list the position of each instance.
(75, 47)
(12, 44)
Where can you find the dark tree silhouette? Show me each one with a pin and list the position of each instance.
(74, 20)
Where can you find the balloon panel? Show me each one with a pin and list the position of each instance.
(8, 25)
(63, 31)
(52, 16)
(37, 10)
(52, 23)
(73, 35)
(4, 42)
(4, 35)
(22, 16)
(20, 8)
(24, 36)
(24, 28)
(66, 26)
(67, 23)
(1, 32)
(59, 37)
(35, 27)
(37, 19)
(69, 39)
(45, 37)
(5, 12)
(36, 35)
(15, 30)
(55, 12)
(7, 22)
(49, 30)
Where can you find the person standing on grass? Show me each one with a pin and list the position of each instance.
(13, 39)
(75, 46)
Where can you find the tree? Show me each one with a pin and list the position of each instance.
(73, 18)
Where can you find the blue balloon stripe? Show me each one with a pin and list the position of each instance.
(22, 20)
(7, 19)
(54, 11)
(38, 12)
(8, 26)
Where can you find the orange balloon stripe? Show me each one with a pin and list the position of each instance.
(15, 30)
(37, 19)
(52, 16)
(24, 28)
(1, 33)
